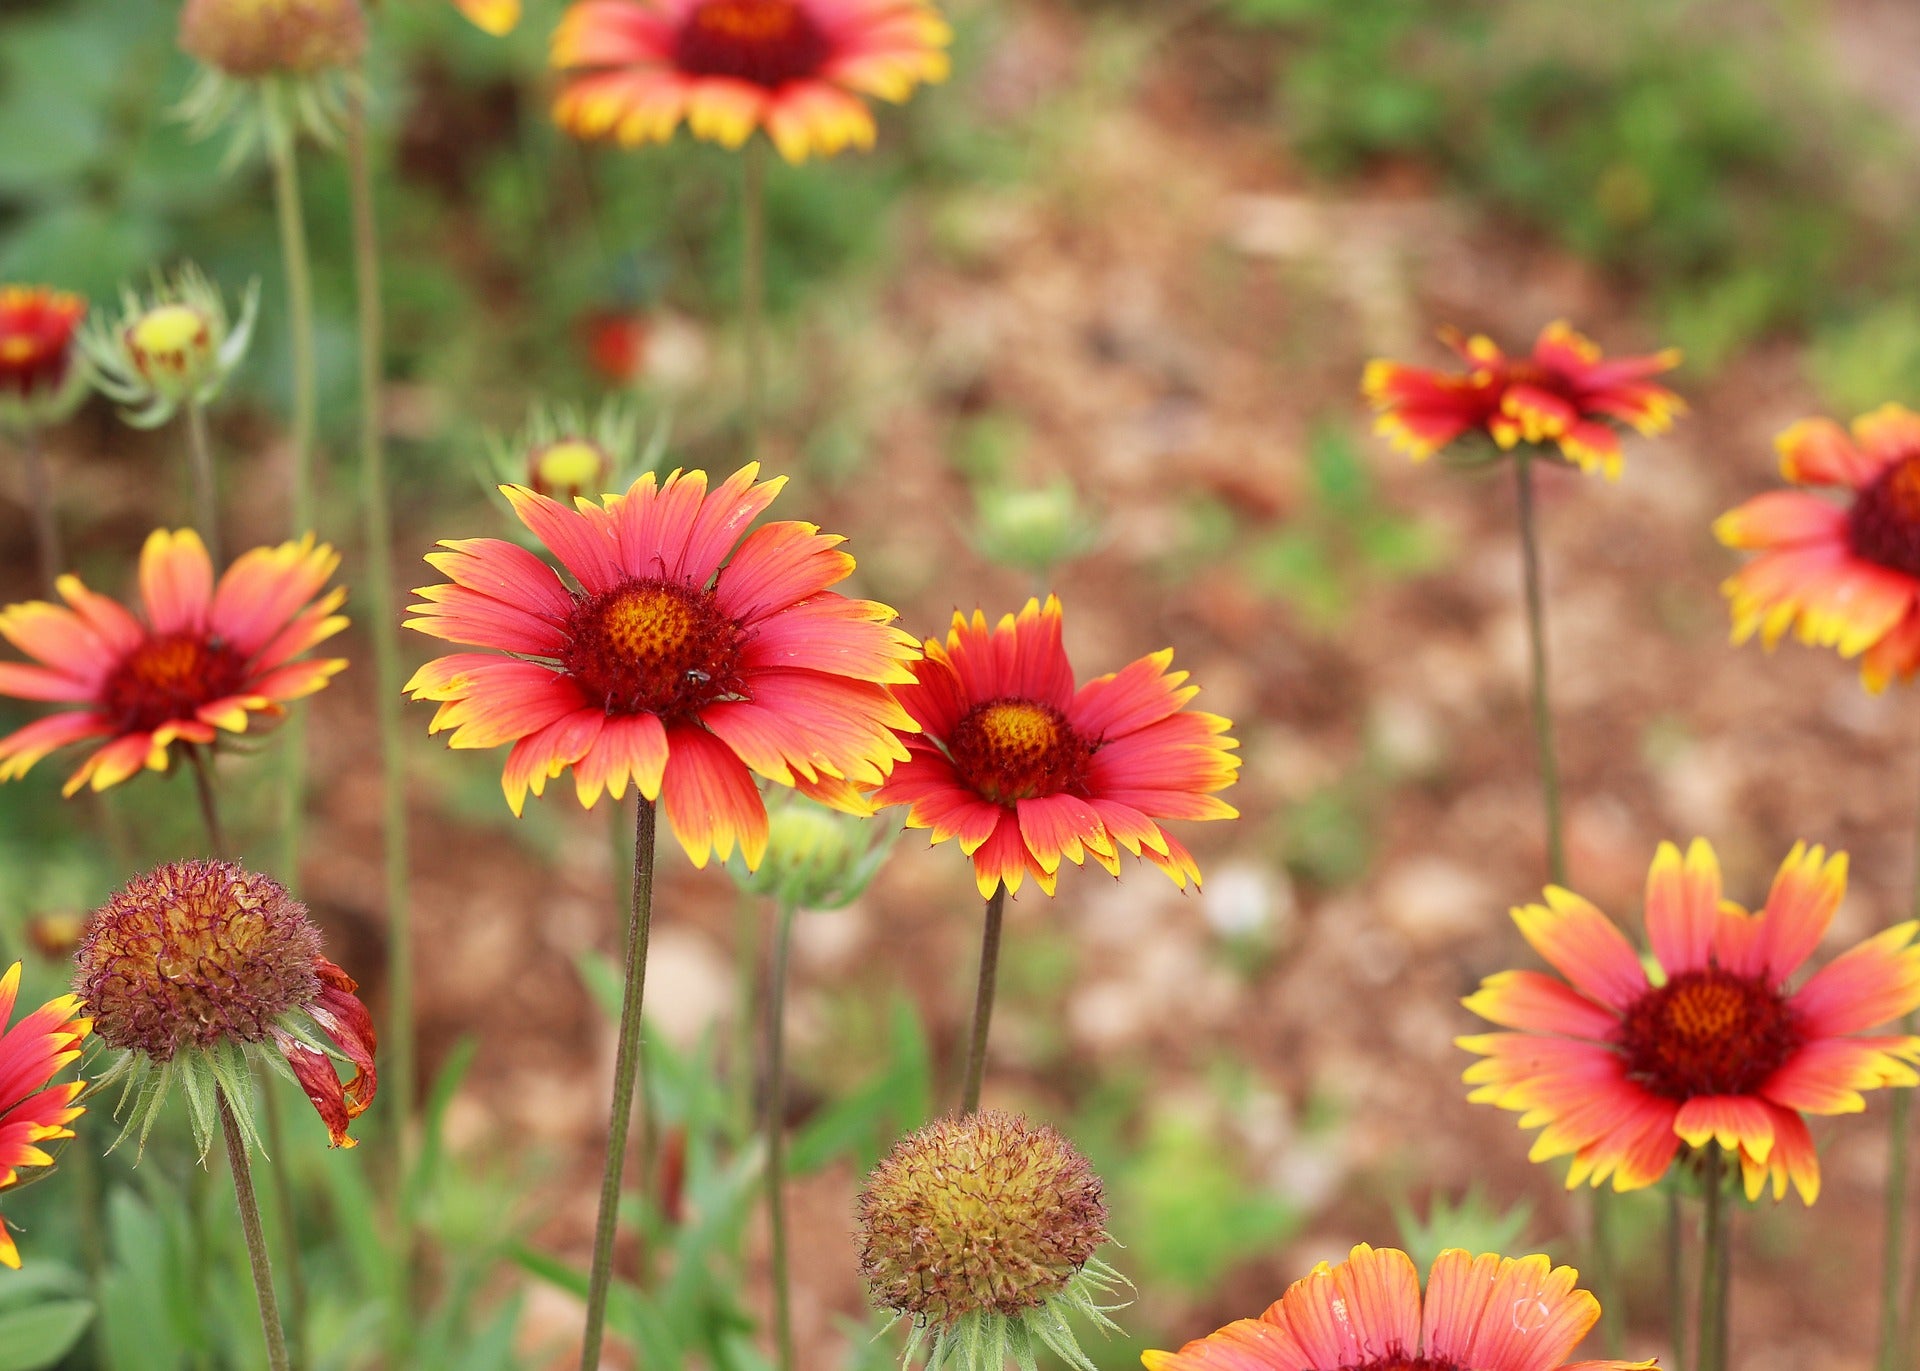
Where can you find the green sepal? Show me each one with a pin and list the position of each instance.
(985, 1339)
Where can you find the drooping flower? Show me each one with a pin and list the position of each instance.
(207, 657)
(1026, 771)
(1564, 392)
(1840, 576)
(175, 347)
(33, 1110)
(691, 656)
(796, 68)
(983, 1230)
(1485, 1313)
(198, 967)
(1619, 1070)
(42, 375)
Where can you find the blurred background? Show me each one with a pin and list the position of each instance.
(1129, 261)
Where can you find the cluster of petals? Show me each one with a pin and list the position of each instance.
(41, 378)
(202, 657)
(1026, 771)
(1839, 575)
(688, 656)
(338, 1013)
(32, 1109)
(1485, 1313)
(1619, 1070)
(1565, 392)
(795, 68)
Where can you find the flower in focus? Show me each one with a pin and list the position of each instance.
(1485, 1313)
(496, 17)
(1621, 1070)
(176, 347)
(566, 453)
(817, 858)
(32, 1109)
(198, 967)
(691, 656)
(207, 657)
(1564, 392)
(1026, 771)
(983, 1231)
(796, 68)
(42, 374)
(1841, 576)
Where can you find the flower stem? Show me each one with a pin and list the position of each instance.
(209, 806)
(983, 1000)
(625, 1070)
(46, 523)
(1537, 646)
(256, 1239)
(753, 286)
(206, 491)
(776, 1123)
(1896, 1339)
(1676, 1273)
(1715, 1268)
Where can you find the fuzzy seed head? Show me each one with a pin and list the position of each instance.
(257, 38)
(195, 953)
(989, 1213)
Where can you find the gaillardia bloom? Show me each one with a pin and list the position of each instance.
(1564, 392)
(1842, 576)
(1485, 1313)
(796, 68)
(1619, 1070)
(198, 967)
(1027, 771)
(42, 380)
(208, 656)
(689, 658)
(982, 1230)
(32, 1109)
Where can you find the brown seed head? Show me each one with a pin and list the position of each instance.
(193, 953)
(987, 1213)
(255, 38)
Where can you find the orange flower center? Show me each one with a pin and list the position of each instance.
(1884, 523)
(653, 647)
(1405, 1363)
(765, 42)
(1011, 750)
(167, 678)
(1707, 1032)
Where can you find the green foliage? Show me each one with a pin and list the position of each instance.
(43, 1314)
(1472, 1222)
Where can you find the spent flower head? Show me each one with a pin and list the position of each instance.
(983, 1231)
(270, 67)
(817, 857)
(198, 968)
(172, 347)
(43, 375)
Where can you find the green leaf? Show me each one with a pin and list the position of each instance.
(34, 1338)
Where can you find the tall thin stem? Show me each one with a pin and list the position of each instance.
(398, 1040)
(1676, 1273)
(256, 1238)
(626, 1062)
(1898, 1322)
(753, 286)
(776, 1126)
(46, 523)
(1537, 651)
(206, 490)
(983, 1001)
(1715, 1268)
(209, 806)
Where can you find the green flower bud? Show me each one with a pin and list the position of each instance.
(817, 858)
(176, 346)
(1033, 530)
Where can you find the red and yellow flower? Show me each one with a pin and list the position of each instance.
(205, 657)
(41, 376)
(1485, 1313)
(1841, 576)
(1619, 1070)
(1564, 392)
(32, 1109)
(691, 656)
(1026, 771)
(796, 68)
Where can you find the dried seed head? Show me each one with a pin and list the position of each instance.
(256, 38)
(986, 1214)
(193, 954)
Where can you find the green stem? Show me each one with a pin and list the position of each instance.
(746, 1013)
(46, 523)
(209, 807)
(1676, 1273)
(1898, 1323)
(983, 1001)
(292, 1264)
(1715, 1268)
(206, 490)
(753, 286)
(299, 273)
(776, 1124)
(256, 1239)
(625, 1069)
(1537, 651)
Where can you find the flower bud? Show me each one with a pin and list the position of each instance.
(42, 379)
(1033, 530)
(171, 348)
(817, 858)
(251, 39)
(565, 452)
(568, 468)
